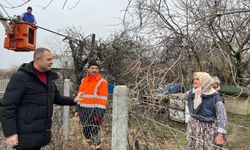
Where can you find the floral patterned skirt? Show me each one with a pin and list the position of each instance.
(201, 135)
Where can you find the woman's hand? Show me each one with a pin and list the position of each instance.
(219, 139)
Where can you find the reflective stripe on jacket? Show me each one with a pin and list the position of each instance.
(94, 92)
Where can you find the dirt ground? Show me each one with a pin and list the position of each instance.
(238, 137)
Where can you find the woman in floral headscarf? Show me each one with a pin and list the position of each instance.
(207, 126)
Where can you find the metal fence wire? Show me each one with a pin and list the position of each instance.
(150, 126)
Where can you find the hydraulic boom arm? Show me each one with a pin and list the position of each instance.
(5, 23)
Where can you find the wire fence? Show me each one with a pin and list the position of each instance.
(150, 127)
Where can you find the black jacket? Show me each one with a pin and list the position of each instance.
(27, 106)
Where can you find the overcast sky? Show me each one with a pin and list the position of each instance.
(93, 16)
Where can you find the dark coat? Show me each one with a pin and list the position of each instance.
(27, 107)
(206, 111)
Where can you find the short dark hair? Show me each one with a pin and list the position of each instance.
(39, 52)
(29, 8)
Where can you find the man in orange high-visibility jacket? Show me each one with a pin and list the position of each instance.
(93, 97)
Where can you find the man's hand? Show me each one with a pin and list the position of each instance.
(12, 140)
(76, 100)
(219, 139)
(77, 97)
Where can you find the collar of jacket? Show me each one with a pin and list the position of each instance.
(30, 14)
(191, 94)
(29, 68)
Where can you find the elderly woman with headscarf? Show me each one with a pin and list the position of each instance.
(207, 125)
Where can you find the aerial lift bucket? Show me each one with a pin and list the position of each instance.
(23, 37)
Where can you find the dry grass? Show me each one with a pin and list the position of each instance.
(239, 132)
(145, 136)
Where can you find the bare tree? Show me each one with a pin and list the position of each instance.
(212, 35)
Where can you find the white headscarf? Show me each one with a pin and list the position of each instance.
(205, 87)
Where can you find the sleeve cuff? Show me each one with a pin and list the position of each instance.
(63, 100)
(221, 130)
(9, 128)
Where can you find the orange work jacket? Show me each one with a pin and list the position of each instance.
(93, 92)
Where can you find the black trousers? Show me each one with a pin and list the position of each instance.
(91, 119)
(91, 131)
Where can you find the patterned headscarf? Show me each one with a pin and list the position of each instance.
(205, 81)
(205, 84)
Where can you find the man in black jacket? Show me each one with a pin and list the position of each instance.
(27, 105)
